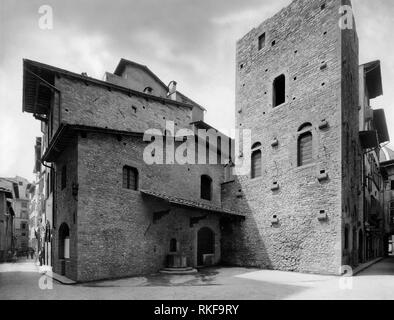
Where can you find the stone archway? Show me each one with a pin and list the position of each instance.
(63, 246)
(205, 244)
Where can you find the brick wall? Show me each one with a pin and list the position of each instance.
(93, 105)
(116, 233)
(66, 209)
(351, 150)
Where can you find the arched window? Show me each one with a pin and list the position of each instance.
(206, 187)
(256, 161)
(304, 145)
(305, 126)
(64, 242)
(130, 178)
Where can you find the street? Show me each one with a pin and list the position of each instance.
(21, 281)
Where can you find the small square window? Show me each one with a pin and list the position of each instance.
(323, 6)
(262, 41)
(273, 42)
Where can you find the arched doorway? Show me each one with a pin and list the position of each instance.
(360, 247)
(63, 246)
(205, 244)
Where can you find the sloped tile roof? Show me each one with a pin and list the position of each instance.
(191, 203)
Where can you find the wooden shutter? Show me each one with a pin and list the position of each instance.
(256, 164)
(305, 149)
(130, 178)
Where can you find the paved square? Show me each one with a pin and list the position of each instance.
(20, 281)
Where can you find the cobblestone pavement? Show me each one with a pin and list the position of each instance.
(21, 281)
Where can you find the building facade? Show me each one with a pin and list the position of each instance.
(387, 165)
(20, 204)
(110, 212)
(6, 225)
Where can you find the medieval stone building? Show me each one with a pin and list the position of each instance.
(297, 90)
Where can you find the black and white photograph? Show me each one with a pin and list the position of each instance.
(196, 154)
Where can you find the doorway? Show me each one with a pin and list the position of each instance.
(63, 247)
(360, 247)
(205, 244)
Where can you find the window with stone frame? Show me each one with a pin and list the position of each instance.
(255, 167)
(305, 145)
(130, 178)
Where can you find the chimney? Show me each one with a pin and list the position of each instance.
(172, 90)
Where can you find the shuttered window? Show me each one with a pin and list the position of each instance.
(130, 178)
(256, 164)
(305, 149)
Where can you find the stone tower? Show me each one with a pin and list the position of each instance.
(297, 90)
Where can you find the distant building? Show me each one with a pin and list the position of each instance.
(20, 204)
(387, 165)
(40, 201)
(6, 224)
(372, 231)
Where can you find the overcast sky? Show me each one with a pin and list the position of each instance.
(192, 42)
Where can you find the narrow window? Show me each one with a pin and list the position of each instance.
(346, 238)
(130, 178)
(206, 187)
(262, 41)
(256, 161)
(279, 90)
(305, 149)
(64, 177)
(392, 185)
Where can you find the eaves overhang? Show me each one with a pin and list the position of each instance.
(66, 133)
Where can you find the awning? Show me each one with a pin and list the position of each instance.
(191, 203)
(8, 193)
(369, 139)
(380, 124)
(373, 79)
(66, 134)
(38, 88)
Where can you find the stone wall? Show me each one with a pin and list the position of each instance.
(66, 209)
(351, 149)
(117, 236)
(308, 51)
(93, 105)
